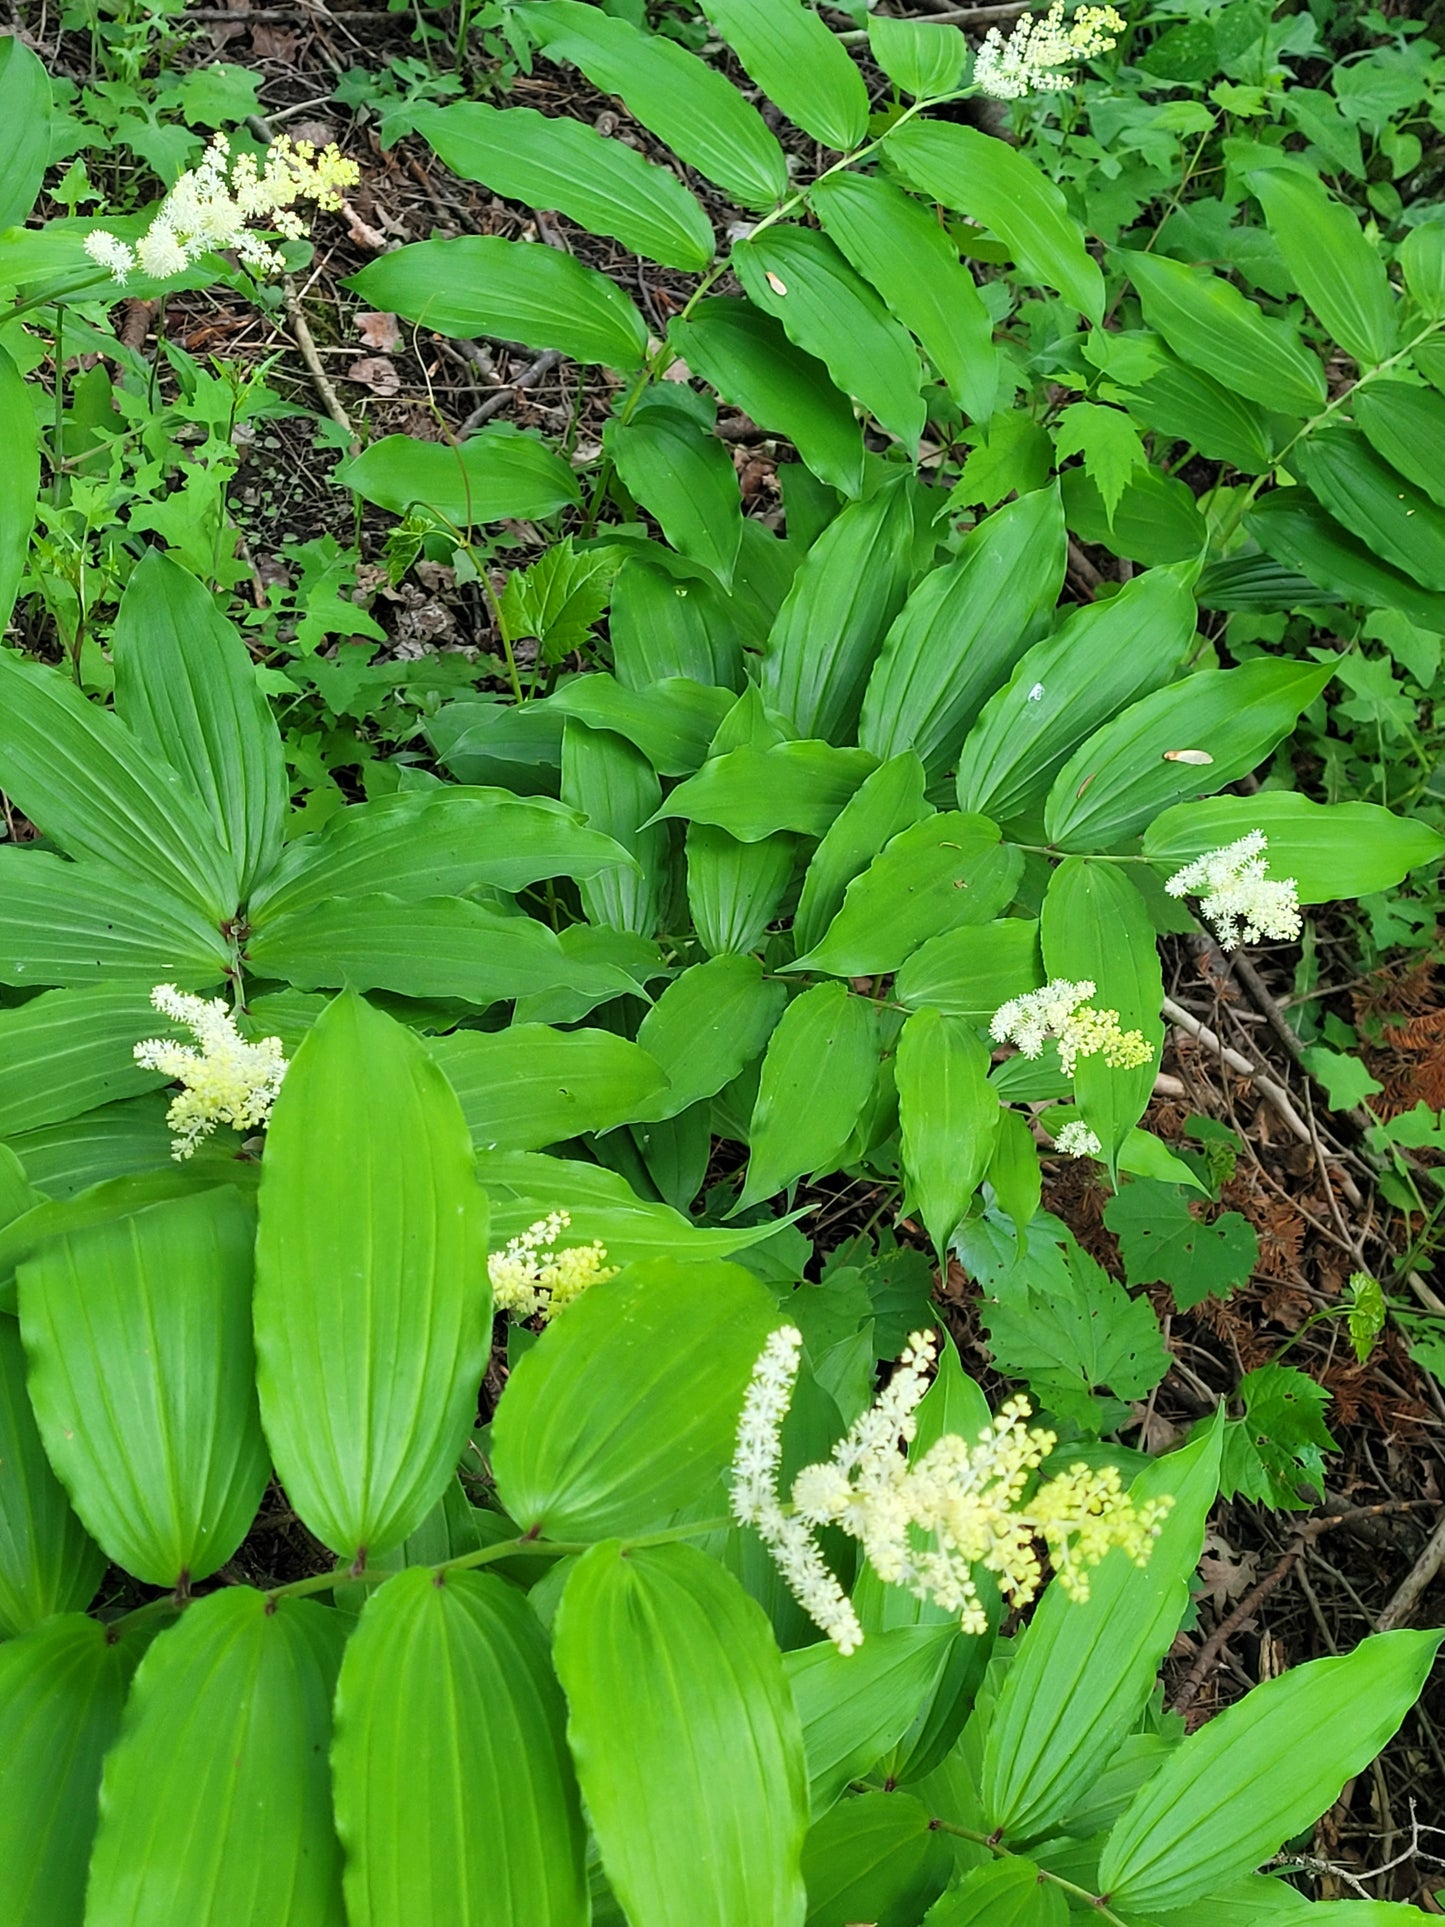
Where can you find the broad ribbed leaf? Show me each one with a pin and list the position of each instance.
(186, 687)
(1338, 270)
(921, 57)
(1290, 525)
(142, 1376)
(530, 1086)
(1116, 782)
(372, 1302)
(1189, 406)
(1396, 521)
(1261, 1772)
(746, 356)
(753, 793)
(62, 1688)
(993, 183)
(216, 1802)
(672, 721)
(685, 478)
(701, 116)
(481, 285)
(1084, 1670)
(734, 889)
(799, 65)
(1006, 1893)
(627, 1406)
(797, 275)
(615, 789)
(482, 1823)
(897, 246)
(1330, 850)
(948, 1113)
(851, 585)
(95, 789)
(1404, 425)
(876, 1858)
(959, 635)
(888, 801)
(499, 472)
(48, 1564)
(20, 477)
(707, 1024)
(25, 107)
(686, 1740)
(670, 620)
(68, 1050)
(435, 842)
(90, 923)
(802, 1119)
(1097, 660)
(854, 1708)
(438, 947)
(971, 971)
(604, 185)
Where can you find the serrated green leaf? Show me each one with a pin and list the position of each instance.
(1162, 1242)
(560, 598)
(1109, 444)
(1278, 1447)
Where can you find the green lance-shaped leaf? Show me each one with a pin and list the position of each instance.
(372, 1302)
(48, 1564)
(853, 1714)
(734, 889)
(90, 923)
(95, 789)
(25, 108)
(897, 246)
(435, 842)
(530, 1086)
(961, 632)
(1085, 1669)
(66, 1051)
(482, 1823)
(684, 477)
(1292, 527)
(921, 57)
(1098, 659)
(114, 1140)
(1395, 520)
(801, 1122)
(480, 285)
(614, 787)
(1403, 424)
(142, 1377)
(1130, 769)
(1007, 1893)
(1261, 1772)
(186, 686)
(1210, 325)
(877, 1857)
(1332, 851)
(969, 972)
(746, 356)
(888, 801)
(947, 870)
(709, 1022)
(670, 621)
(1340, 273)
(996, 185)
(626, 1408)
(701, 116)
(1014, 1173)
(686, 1740)
(799, 65)
(1095, 926)
(1422, 260)
(498, 472)
(799, 276)
(753, 793)
(602, 184)
(216, 1801)
(1190, 406)
(948, 1113)
(672, 722)
(851, 585)
(62, 1688)
(20, 480)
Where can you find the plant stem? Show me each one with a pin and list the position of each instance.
(57, 453)
(1098, 1902)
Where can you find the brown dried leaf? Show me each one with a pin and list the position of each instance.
(376, 373)
(379, 330)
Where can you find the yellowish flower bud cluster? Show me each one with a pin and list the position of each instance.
(227, 1080)
(1062, 1010)
(1037, 55)
(1237, 893)
(212, 205)
(929, 1525)
(531, 1280)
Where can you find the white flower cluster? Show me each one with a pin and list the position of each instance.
(1039, 52)
(1062, 1010)
(212, 206)
(1076, 1140)
(530, 1279)
(925, 1526)
(1237, 893)
(227, 1080)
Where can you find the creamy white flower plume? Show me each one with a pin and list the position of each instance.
(1076, 1140)
(1038, 55)
(531, 1279)
(1238, 895)
(227, 1080)
(1062, 1010)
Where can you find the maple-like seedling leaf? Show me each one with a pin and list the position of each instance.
(1163, 1243)
(1278, 1447)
